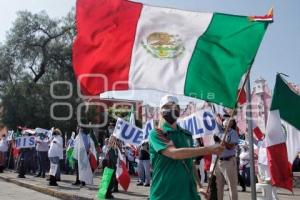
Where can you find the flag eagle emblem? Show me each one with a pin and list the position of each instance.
(163, 45)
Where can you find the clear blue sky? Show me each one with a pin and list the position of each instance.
(279, 51)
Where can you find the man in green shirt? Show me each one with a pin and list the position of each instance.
(171, 154)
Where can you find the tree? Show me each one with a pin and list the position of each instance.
(37, 52)
(39, 43)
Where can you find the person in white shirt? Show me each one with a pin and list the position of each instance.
(55, 154)
(263, 167)
(3, 152)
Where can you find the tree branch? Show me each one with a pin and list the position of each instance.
(42, 66)
(44, 31)
(36, 45)
(41, 72)
(31, 66)
(44, 54)
(61, 33)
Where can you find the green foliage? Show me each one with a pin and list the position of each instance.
(122, 113)
(37, 52)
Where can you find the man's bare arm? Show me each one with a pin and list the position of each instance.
(183, 153)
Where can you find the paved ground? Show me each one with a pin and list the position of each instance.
(75, 192)
(66, 191)
(10, 191)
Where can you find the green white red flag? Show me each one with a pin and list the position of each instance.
(283, 133)
(122, 174)
(123, 45)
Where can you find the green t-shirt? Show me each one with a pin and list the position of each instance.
(171, 178)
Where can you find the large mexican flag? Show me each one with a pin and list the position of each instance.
(123, 45)
(283, 133)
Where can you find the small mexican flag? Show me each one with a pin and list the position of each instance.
(131, 116)
(69, 156)
(122, 174)
(258, 134)
(104, 183)
(122, 45)
(283, 133)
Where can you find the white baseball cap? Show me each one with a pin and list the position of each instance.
(168, 99)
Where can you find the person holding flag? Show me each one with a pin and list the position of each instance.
(171, 153)
(112, 155)
(130, 158)
(226, 169)
(85, 157)
(69, 153)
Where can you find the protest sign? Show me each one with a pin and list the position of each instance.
(42, 134)
(200, 123)
(25, 142)
(131, 134)
(128, 133)
(10, 135)
(28, 131)
(69, 157)
(147, 128)
(53, 169)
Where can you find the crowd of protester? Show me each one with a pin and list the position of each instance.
(233, 167)
(36, 161)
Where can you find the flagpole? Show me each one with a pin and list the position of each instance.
(250, 134)
(227, 127)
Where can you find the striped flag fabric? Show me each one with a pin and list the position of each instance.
(84, 167)
(267, 17)
(122, 45)
(283, 133)
(242, 96)
(131, 116)
(70, 150)
(104, 183)
(93, 161)
(257, 133)
(93, 155)
(69, 156)
(122, 174)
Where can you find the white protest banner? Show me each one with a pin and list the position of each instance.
(147, 128)
(128, 133)
(49, 134)
(42, 134)
(41, 130)
(53, 169)
(25, 142)
(10, 135)
(200, 123)
(29, 131)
